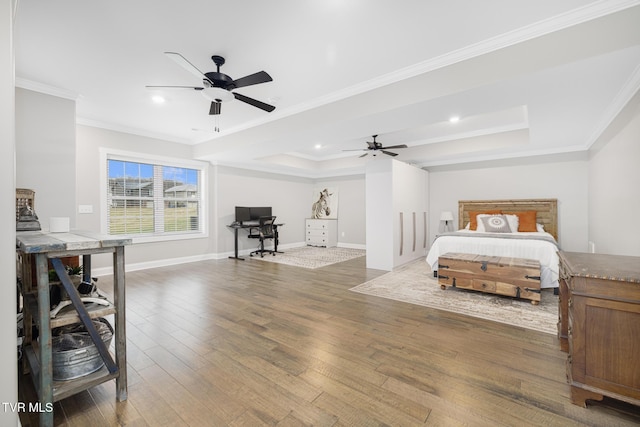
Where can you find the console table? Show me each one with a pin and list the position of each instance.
(600, 321)
(34, 250)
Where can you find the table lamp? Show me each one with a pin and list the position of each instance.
(446, 216)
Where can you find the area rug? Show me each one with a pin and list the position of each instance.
(312, 257)
(414, 283)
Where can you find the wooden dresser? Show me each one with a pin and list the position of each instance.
(599, 325)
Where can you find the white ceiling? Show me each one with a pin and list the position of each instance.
(526, 78)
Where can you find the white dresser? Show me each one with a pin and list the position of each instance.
(322, 232)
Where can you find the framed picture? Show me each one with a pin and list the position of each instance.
(325, 203)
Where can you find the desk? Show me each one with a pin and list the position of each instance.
(36, 247)
(236, 227)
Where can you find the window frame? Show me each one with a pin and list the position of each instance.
(127, 156)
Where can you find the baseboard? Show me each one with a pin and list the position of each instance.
(352, 246)
(104, 271)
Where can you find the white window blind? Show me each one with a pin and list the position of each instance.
(152, 199)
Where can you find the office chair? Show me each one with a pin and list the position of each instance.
(265, 230)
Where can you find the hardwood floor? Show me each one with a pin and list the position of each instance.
(250, 343)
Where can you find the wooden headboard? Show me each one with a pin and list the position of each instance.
(546, 210)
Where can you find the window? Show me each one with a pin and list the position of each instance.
(153, 198)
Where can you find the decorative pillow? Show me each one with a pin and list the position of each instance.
(473, 220)
(540, 228)
(527, 220)
(513, 222)
(480, 224)
(494, 223)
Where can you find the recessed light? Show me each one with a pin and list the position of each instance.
(454, 119)
(158, 99)
(318, 146)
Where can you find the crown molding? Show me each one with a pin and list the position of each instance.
(622, 98)
(46, 89)
(565, 20)
(124, 129)
(510, 156)
(290, 171)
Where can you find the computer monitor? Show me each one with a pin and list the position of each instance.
(243, 214)
(246, 214)
(257, 212)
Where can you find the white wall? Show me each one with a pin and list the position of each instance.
(46, 153)
(89, 142)
(286, 195)
(8, 349)
(379, 201)
(394, 190)
(351, 209)
(614, 193)
(565, 179)
(291, 199)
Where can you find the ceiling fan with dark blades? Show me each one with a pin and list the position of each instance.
(218, 87)
(377, 146)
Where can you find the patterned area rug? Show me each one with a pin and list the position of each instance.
(312, 257)
(414, 283)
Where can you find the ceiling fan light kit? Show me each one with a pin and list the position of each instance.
(216, 94)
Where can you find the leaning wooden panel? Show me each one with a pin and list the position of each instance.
(546, 210)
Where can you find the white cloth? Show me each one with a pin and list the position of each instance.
(545, 252)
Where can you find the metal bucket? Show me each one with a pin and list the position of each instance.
(73, 352)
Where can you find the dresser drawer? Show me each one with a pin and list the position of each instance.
(317, 225)
(317, 241)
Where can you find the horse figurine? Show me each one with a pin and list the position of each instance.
(321, 207)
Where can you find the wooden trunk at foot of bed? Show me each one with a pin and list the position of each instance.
(514, 277)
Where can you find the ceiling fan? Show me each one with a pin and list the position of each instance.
(217, 87)
(377, 146)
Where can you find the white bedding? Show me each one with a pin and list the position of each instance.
(542, 250)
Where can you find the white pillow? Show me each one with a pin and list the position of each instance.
(493, 223)
(513, 221)
(480, 225)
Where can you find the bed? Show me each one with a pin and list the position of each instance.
(540, 245)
